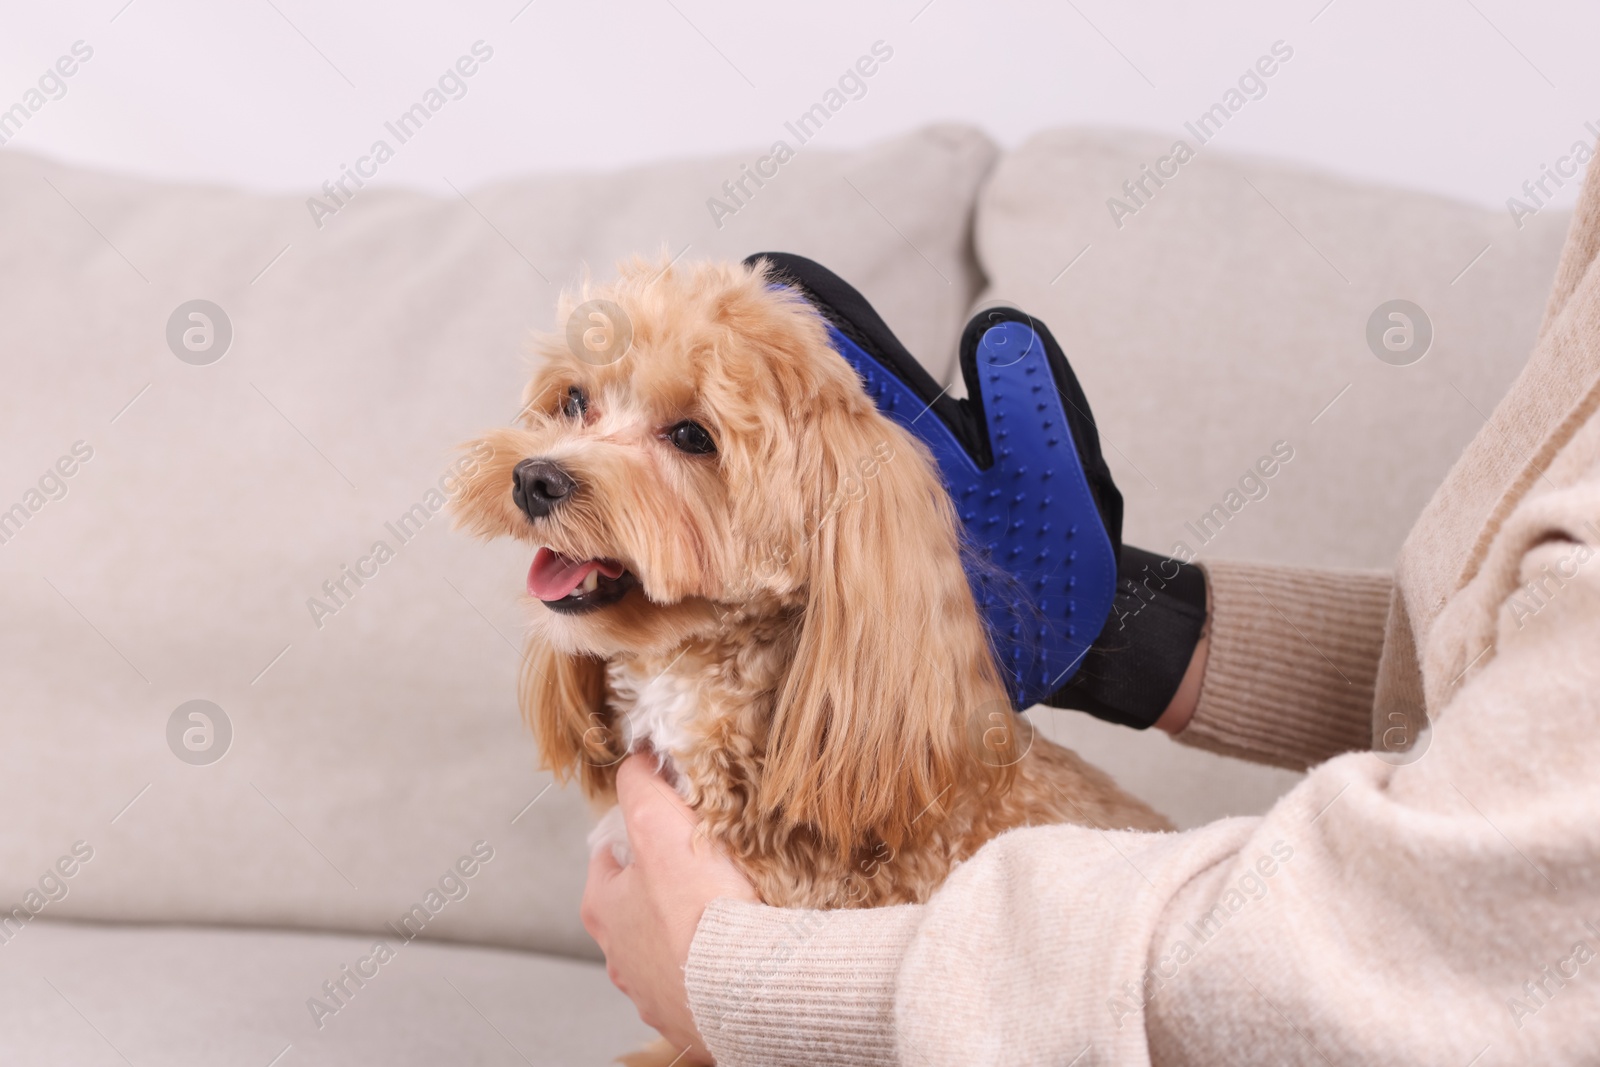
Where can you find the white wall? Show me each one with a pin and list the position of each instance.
(1462, 97)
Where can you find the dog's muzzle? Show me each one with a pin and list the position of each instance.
(539, 486)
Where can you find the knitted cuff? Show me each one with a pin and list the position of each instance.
(1292, 662)
(789, 985)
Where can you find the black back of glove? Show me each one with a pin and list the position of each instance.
(1134, 667)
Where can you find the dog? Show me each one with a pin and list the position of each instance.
(742, 566)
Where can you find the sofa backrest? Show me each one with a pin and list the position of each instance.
(1228, 309)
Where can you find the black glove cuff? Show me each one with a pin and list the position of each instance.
(1134, 667)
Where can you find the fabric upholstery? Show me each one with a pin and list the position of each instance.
(90, 994)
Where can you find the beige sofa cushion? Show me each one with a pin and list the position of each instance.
(206, 503)
(1226, 314)
(75, 993)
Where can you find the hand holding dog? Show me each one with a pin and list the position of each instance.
(644, 915)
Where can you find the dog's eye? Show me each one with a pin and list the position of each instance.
(692, 438)
(575, 403)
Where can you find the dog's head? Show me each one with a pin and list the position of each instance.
(727, 464)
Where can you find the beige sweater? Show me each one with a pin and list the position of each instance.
(1432, 908)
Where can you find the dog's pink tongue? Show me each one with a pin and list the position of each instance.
(554, 576)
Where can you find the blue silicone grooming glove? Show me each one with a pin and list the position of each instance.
(1022, 462)
(1021, 459)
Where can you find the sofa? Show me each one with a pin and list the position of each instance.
(270, 800)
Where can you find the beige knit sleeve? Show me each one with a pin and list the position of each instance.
(1441, 910)
(1293, 659)
(1019, 958)
(1580, 251)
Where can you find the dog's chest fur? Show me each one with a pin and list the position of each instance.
(656, 710)
(695, 710)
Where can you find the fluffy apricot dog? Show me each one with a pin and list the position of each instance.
(744, 567)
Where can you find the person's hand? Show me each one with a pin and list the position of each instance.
(644, 915)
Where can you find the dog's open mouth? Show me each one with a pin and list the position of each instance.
(573, 586)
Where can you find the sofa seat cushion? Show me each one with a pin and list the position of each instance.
(90, 994)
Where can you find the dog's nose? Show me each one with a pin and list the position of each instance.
(539, 485)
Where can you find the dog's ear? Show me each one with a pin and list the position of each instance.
(872, 732)
(563, 701)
